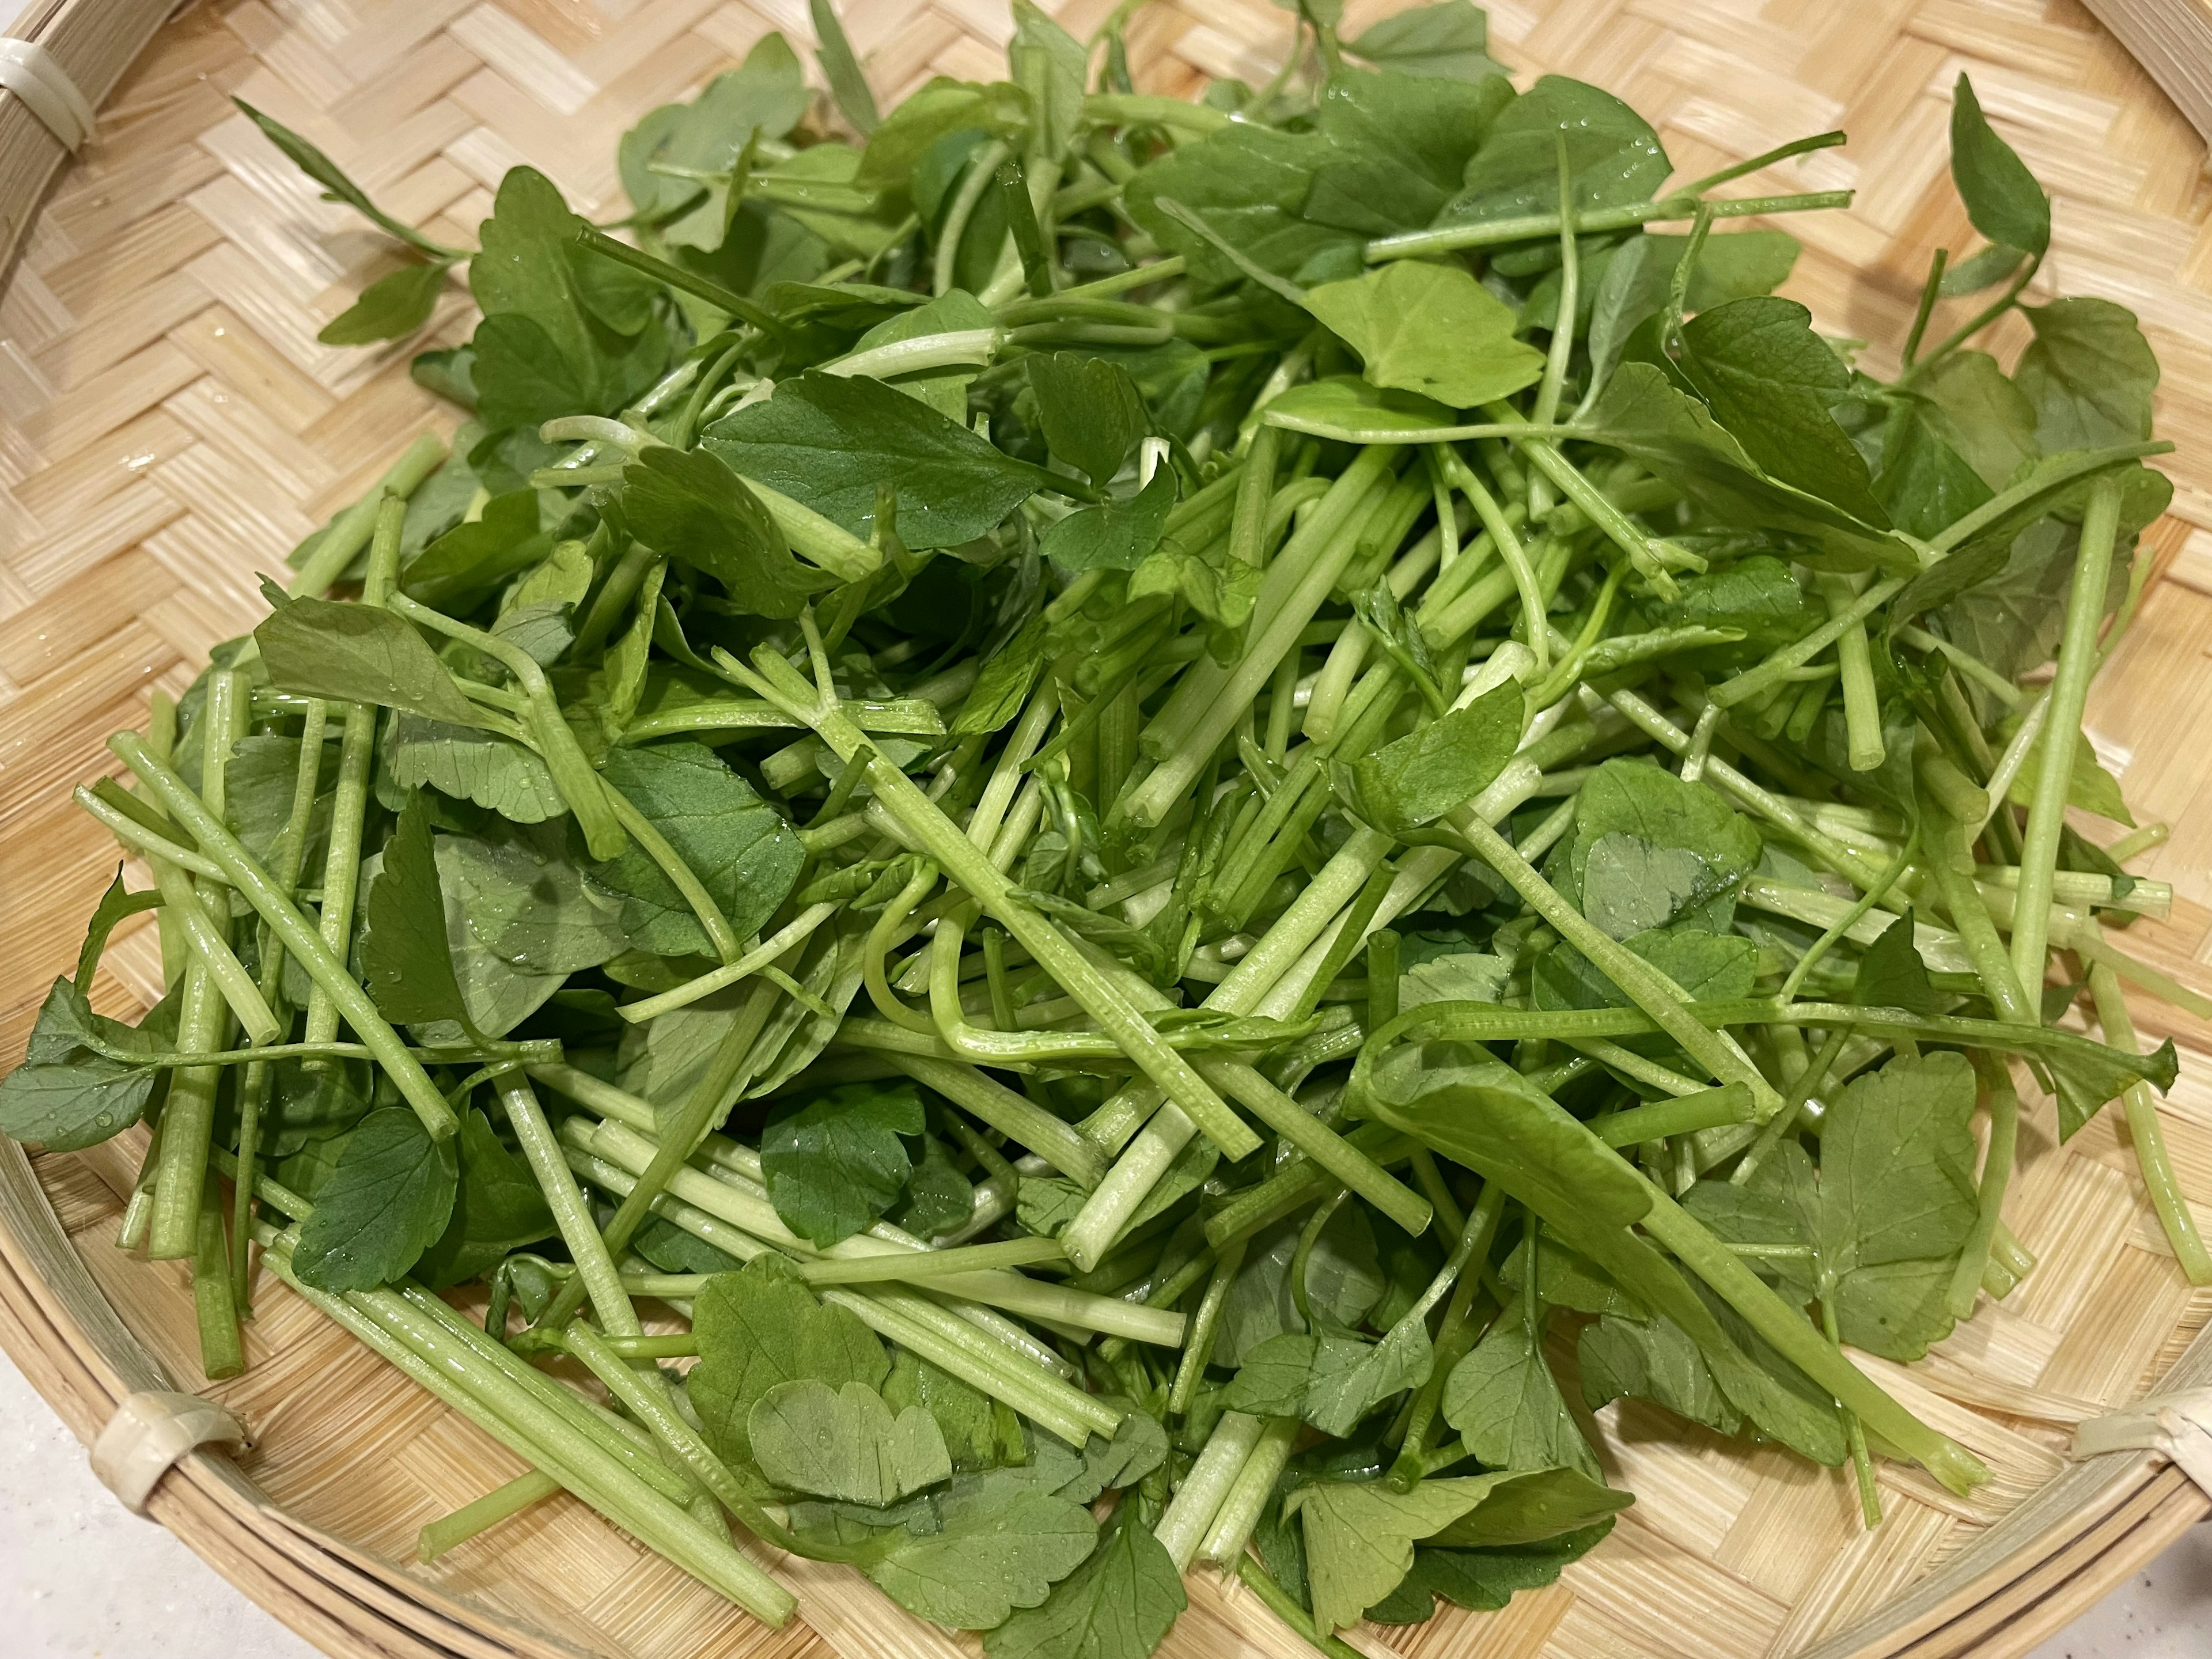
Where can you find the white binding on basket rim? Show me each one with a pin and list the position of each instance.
(2176, 1426)
(31, 73)
(149, 1431)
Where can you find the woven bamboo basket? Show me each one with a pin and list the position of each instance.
(169, 426)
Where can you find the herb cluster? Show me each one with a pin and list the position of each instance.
(1234, 803)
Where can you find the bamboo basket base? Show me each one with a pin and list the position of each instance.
(169, 426)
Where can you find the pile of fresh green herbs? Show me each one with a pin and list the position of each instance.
(1205, 801)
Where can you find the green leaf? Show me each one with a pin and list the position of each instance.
(1897, 1164)
(358, 653)
(498, 1206)
(258, 786)
(831, 442)
(1002, 686)
(1925, 485)
(117, 902)
(1485, 1580)
(1431, 330)
(476, 556)
(938, 1197)
(1119, 1604)
(1528, 1505)
(758, 1327)
(1140, 1445)
(327, 172)
(1338, 1399)
(526, 902)
(386, 1202)
(998, 1543)
(1047, 1204)
(1118, 534)
(493, 771)
(688, 505)
(1451, 39)
(941, 107)
(2090, 787)
(1656, 1361)
(1504, 1400)
(1771, 381)
(1091, 411)
(1613, 157)
(1400, 145)
(1644, 415)
(404, 957)
(67, 1095)
(1987, 419)
(1632, 284)
(979, 1432)
(2090, 374)
(845, 1443)
(741, 849)
(1993, 264)
(1461, 977)
(2002, 197)
(945, 390)
(600, 344)
(766, 96)
(394, 305)
(1891, 974)
(1250, 183)
(1649, 851)
(836, 1164)
(1052, 65)
(1488, 1117)
(1442, 766)
(841, 70)
(1359, 1539)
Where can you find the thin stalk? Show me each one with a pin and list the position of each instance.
(1950, 863)
(1997, 1174)
(541, 1150)
(351, 530)
(1250, 1492)
(1930, 291)
(1205, 1326)
(1020, 1119)
(292, 931)
(253, 1088)
(1853, 1434)
(1771, 672)
(1852, 918)
(1191, 1512)
(2143, 1128)
(982, 174)
(794, 932)
(214, 1305)
(211, 949)
(1093, 990)
(1530, 227)
(1645, 986)
(1861, 712)
(449, 1532)
(203, 1014)
(919, 1265)
(1792, 1104)
(2069, 694)
(1677, 1232)
(1509, 550)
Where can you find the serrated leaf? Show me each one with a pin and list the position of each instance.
(845, 1443)
(1119, 1604)
(405, 960)
(358, 653)
(837, 1164)
(385, 1201)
